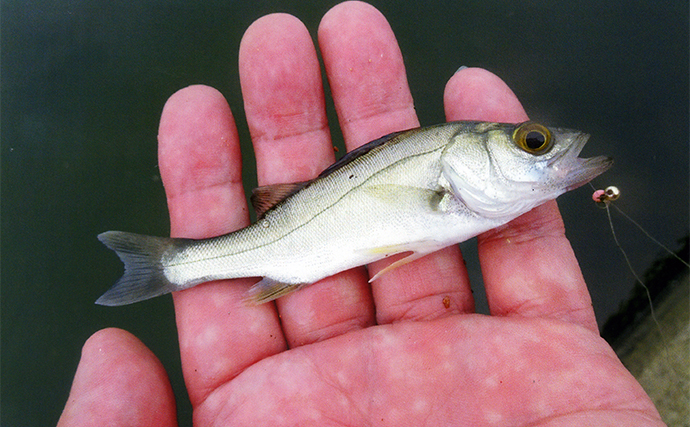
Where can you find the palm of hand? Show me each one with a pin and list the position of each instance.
(406, 349)
(460, 370)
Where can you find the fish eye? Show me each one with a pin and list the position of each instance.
(533, 138)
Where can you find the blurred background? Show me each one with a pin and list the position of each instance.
(83, 84)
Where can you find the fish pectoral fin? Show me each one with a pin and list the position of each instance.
(404, 196)
(402, 261)
(268, 289)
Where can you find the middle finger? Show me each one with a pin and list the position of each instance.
(285, 108)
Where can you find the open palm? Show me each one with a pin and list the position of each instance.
(405, 350)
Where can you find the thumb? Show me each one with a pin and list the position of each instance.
(119, 382)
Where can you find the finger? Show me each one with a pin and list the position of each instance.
(476, 94)
(372, 98)
(528, 265)
(119, 382)
(283, 100)
(200, 165)
(286, 114)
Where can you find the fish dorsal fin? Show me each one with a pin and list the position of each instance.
(361, 151)
(265, 197)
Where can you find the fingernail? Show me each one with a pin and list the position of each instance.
(462, 67)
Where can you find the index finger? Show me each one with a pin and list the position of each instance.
(528, 264)
(200, 164)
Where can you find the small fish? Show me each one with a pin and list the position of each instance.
(413, 191)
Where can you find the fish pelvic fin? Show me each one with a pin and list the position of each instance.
(402, 261)
(268, 289)
(144, 277)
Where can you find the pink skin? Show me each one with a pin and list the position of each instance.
(342, 352)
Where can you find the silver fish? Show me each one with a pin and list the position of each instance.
(414, 191)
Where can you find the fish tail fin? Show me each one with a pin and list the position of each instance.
(143, 277)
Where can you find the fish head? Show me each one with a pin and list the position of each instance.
(504, 170)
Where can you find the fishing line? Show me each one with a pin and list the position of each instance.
(673, 254)
(604, 198)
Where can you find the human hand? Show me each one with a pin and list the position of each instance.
(405, 350)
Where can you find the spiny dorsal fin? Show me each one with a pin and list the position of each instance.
(361, 151)
(265, 197)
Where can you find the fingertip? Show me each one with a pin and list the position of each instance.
(196, 123)
(186, 104)
(112, 353)
(477, 94)
(109, 339)
(193, 92)
(264, 30)
(350, 8)
(272, 43)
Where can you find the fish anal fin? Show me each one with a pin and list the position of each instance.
(402, 261)
(265, 197)
(268, 289)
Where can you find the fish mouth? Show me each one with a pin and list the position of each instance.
(578, 171)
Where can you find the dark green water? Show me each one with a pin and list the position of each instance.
(83, 85)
